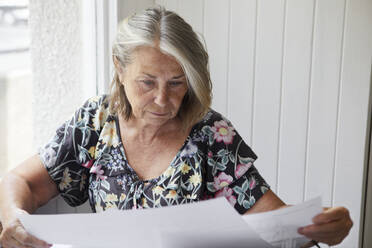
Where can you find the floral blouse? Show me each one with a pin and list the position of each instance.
(86, 159)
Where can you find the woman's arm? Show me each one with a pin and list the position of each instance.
(23, 189)
(269, 201)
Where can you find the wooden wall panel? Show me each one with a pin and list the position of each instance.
(356, 78)
(126, 8)
(241, 66)
(297, 55)
(193, 12)
(324, 97)
(144, 4)
(216, 33)
(169, 4)
(267, 87)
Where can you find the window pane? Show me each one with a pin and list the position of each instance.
(15, 85)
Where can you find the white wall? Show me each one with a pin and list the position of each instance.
(17, 114)
(294, 78)
(126, 8)
(56, 51)
(56, 64)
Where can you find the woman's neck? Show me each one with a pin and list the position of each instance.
(146, 133)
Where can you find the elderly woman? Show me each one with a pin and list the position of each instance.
(153, 142)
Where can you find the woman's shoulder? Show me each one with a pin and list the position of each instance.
(97, 102)
(213, 126)
(95, 111)
(212, 118)
(96, 105)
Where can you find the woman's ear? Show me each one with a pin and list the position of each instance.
(117, 64)
(118, 68)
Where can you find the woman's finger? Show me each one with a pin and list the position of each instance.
(16, 236)
(15, 243)
(331, 214)
(25, 238)
(12, 243)
(331, 233)
(321, 231)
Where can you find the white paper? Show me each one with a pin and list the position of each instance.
(279, 227)
(212, 223)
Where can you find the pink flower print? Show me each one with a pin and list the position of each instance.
(210, 154)
(96, 169)
(88, 164)
(241, 169)
(228, 193)
(223, 132)
(252, 183)
(222, 181)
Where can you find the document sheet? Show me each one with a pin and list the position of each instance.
(210, 223)
(279, 227)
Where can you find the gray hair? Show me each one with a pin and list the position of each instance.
(158, 27)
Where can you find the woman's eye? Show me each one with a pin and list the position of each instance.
(175, 83)
(148, 83)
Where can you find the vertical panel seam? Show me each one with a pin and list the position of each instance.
(309, 98)
(228, 59)
(338, 103)
(280, 117)
(203, 20)
(254, 69)
(96, 46)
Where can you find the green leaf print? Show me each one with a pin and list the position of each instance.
(225, 160)
(245, 186)
(211, 162)
(246, 204)
(245, 160)
(264, 189)
(232, 157)
(105, 184)
(210, 187)
(218, 166)
(222, 152)
(240, 198)
(102, 194)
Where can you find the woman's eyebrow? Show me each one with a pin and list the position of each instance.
(149, 75)
(177, 77)
(152, 76)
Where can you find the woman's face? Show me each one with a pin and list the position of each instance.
(155, 85)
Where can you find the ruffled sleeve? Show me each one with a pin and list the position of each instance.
(69, 155)
(230, 171)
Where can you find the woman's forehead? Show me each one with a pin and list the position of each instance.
(146, 53)
(150, 59)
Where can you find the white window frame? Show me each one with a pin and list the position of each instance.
(99, 25)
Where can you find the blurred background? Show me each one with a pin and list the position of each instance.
(293, 76)
(15, 84)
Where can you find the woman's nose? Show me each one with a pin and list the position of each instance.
(161, 97)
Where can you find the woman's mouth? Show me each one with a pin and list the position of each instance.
(159, 114)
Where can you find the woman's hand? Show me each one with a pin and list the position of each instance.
(14, 235)
(330, 227)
